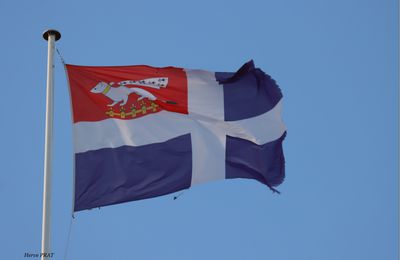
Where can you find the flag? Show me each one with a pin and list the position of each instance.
(141, 131)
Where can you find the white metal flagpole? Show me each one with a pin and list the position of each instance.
(51, 36)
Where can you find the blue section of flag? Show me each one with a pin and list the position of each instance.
(114, 175)
(264, 163)
(247, 93)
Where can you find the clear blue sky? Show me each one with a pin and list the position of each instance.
(337, 65)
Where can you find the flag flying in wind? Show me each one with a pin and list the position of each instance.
(141, 132)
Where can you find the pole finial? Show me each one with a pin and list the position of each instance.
(49, 32)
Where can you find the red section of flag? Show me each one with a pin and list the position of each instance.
(89, 104)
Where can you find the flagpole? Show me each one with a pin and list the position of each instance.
(50, 36)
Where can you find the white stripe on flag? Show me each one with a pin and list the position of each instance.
(206, 105)
(113, 133)
(163, 126)
(206, 96)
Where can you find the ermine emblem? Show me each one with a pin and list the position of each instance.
(121, 92)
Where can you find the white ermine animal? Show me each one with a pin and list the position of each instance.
(120, 93)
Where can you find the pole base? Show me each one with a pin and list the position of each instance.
(49, 32)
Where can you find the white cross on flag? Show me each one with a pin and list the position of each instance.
(142, 132)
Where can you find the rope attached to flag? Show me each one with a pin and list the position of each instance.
(61, 57)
